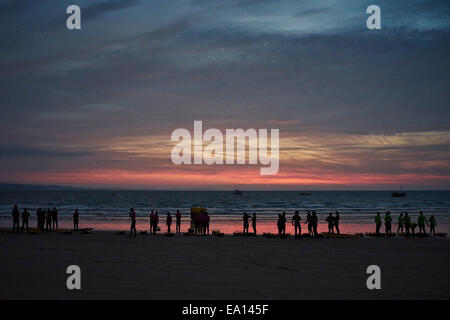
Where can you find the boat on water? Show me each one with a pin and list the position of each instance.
(398, 194)
(237, 192)
(305, 194)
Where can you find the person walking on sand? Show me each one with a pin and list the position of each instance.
(76, 218)
(245, 219)
(400, 223)
(330, 220)
(55, 219)
(407, 221)
(296, 223)
(388, 223)
(15, 214)
(315, 222)
(168, 222)
(254, 222)
(133, 222)
(25, 216)
(377, 223)
(178, 221)
(336, 222)
(433, 224)
(421, 222)
(48, 220)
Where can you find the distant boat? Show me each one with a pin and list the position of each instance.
(305, 194)
(398, 194)
(238, 192)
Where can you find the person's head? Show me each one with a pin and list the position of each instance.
(284, 213)
(254, 214)
(178, 211)
(132, 209)
(432, 215)
(296, 211)
(406, 213)
(168, 213)
(378, 213)
(421, 213)
(401, 214)
(152, 211)
(314, 213)
(330, 214)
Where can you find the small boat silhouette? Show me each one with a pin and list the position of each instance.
(238, 192)
(398, 194)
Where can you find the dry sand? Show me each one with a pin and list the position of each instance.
(158, 267)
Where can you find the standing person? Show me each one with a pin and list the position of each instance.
(40, 219)
(336, 222)
(254, 222)
(296, 223)
(245, 219)
(309, 222)
(407, 221)
(400, 223)
(178, 221)
(168, 221)
(314, 223)
(76, 217)
(388, 222)
(207, 219)
(48, 220)
(433, 224)
(330, 220)
(282, 224)
(15, 214)
(55, 218)
(152, 218)
(155, 222)
(421, 222)
(25, 216)
(133, 222)
(377, 223)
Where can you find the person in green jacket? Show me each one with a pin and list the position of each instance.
(421, 222)
(400, 223)
(377, 223)
(388, 222)
(432, 224)
(407, 220)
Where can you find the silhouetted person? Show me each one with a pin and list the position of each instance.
(315, 223)
(25, 216)
(330, 220)
(433, 224)
(207, 219)
(336, 222)
(309, 222)
(282, 223)
(178, 221)
(401, 222)
(48, 220)
(407, 220)
(55, 218)
(15, 214)
(245, 219)
(296, 223)
(388, 223)
(76, 218)
(133, 222)
(40, 215)
(155, 222)
(413, 227)
(168, 221)
(377, 223)
(254, 222)
(152, 218)
(421, 222)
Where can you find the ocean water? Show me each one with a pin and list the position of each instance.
(108, 210)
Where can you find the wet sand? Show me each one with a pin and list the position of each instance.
(159, 267)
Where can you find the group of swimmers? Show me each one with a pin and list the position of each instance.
(47, 220)
(404, 221)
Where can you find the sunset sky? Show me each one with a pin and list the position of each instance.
(357, 109)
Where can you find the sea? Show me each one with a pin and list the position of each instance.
(108, 210)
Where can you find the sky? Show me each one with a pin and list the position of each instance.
(357, 109)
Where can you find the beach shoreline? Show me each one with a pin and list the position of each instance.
(205, 267)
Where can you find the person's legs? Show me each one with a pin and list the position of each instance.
(337, 229)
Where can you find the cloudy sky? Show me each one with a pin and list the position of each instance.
(356, 108)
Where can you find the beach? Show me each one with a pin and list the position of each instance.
(205, 267)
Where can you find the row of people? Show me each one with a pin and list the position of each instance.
(154, 221)
(47, 219)
(405, 224)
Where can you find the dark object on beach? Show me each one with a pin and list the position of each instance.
(86, 232)
(269, 235)
(217, 233)
(65, 231)
(342, 236)
(441, 234)
(143, 232)
(373, 234)
(120, 232)
(398, 194)
(169, 234)
(237, 192)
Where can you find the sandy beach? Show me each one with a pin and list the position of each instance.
(159, 267)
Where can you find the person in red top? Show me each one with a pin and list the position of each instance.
(133, 222)
(168, 221)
